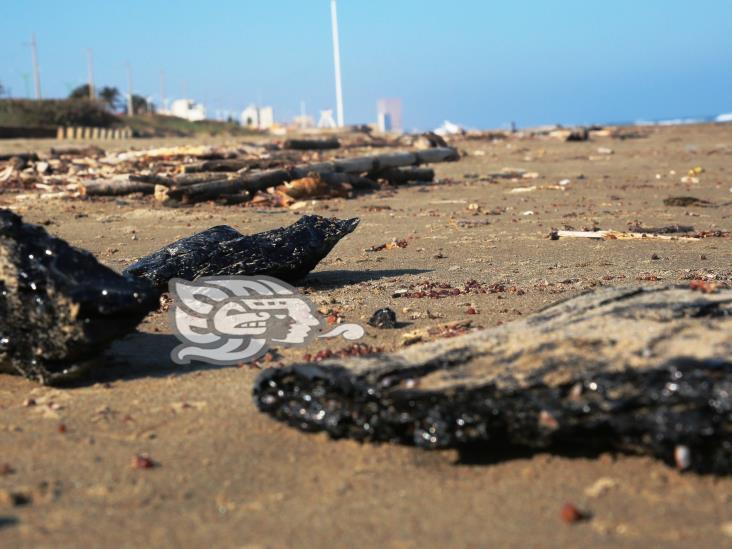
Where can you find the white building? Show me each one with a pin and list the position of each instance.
(260, 118)
(188, 109)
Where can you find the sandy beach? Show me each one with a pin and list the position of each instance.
(228, 475)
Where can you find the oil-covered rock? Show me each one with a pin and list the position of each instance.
(637, 370)
(59, 307)
(288, 253)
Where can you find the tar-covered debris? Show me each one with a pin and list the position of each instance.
(288, 253)
(59, 307)
(636, 370)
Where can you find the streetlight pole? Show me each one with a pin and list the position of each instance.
(337, 63)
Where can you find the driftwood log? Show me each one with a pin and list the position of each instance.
(637, 370)
(26, 156)
(400, 176)
(218, 165)
(114, 187)
(91, 150)
(260, 180)
(312, 144)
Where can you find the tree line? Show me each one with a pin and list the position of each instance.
(113, 100)
(110, 97)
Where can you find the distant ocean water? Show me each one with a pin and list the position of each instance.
(726, 117)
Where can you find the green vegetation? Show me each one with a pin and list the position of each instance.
(158, 125)
(48, 113)
(141, 105)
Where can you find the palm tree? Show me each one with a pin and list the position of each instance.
(110, 96)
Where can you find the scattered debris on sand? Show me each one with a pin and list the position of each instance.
(660, 233)
(632, 369)
(178, 176)
(287, 253)
(59, 307)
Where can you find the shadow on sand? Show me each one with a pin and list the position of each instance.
(135, 356)
(337, 279)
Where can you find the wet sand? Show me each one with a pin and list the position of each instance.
(227, 475)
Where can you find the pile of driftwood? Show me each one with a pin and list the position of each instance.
(276, 173)
(334, 178)
(233, 181)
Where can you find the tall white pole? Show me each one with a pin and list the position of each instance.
(90, 67)
(36, 71)
(337, 63)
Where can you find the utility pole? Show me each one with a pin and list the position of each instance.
(26, 84)
(337, 63)
(90, 70)
(36, 71)
(163, 106)
(130, 105)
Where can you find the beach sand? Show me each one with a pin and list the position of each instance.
(229, 476)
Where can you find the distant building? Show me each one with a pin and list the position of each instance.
(304, 121)
(188, 109)
(389, 115)
(326, 120)
(259, 118)
(383, 122)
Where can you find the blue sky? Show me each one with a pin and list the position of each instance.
(475, 62)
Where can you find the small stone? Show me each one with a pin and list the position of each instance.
(383, 318)
(570, 514)
(14, 498)
(143, 461)
(682, 457)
